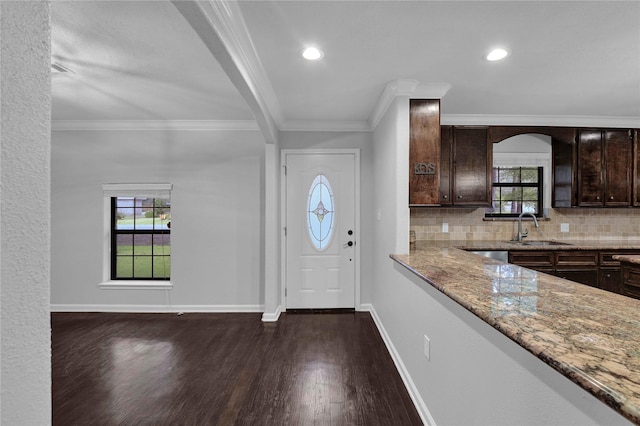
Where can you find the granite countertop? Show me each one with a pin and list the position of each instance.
(635, 259)
(530, 245)
(590, 335)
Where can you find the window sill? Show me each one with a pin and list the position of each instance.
(136, 285)
(514, 219)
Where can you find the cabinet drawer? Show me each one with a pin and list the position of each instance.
(531, 258)
(571, 259)
(606, 257)
(631, 282)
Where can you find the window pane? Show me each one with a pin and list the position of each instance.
(124, 267)
(142, 266)
(530, 175)
(510, 207)
(124, 217)
(124, 244)
(530, 194)
(530, 206)
(142, 244)
(509, 175)
(511, 193)
(161, 266)
(162, 244)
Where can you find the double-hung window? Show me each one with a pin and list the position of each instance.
(139, 232)
(516, 190)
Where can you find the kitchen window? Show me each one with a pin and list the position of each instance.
(516, 190)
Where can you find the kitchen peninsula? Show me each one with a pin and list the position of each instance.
(590, 336)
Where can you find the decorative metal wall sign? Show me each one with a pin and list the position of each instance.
(424, 169)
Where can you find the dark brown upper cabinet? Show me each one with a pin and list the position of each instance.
(604, 167)
(424, 152)
(465, 165)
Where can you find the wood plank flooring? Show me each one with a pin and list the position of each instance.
(224, 369)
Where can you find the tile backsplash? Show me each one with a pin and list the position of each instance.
(583, 223)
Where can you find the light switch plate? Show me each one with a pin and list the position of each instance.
(564, 227)
(445, 227)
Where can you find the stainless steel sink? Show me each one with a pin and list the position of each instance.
(539, 243)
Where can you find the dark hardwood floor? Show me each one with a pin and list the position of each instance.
(224, 369)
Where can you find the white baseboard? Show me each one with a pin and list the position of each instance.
(423, 411)
(272, 316)
(156, 308)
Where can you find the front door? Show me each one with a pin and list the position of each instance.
(320, 224)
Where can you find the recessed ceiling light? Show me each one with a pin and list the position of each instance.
(312, 53)
(497, 54)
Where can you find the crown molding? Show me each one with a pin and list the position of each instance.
(150, 125)
(431, 91)
(539, 120)
(405, 87)
(325, 126)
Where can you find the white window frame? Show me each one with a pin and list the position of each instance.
(110, 190)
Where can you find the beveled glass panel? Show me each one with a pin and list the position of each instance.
(320, 212)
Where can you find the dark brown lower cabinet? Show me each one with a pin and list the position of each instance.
(582, 276)
(631, 279)
(589, 267)
(578, 266)
(610, 279)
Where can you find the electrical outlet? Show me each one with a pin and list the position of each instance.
(445, 227)
(564, 227)
(427, 348)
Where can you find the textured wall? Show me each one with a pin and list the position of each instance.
(25, 104)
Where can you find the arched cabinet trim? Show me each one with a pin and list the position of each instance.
(565, 135)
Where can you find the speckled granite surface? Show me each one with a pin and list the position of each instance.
(627, 258)
(589, 335)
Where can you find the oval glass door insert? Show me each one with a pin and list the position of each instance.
(320, 212)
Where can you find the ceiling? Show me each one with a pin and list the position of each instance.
(151, 60)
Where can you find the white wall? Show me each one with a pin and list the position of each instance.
(25, 105)
(217, 208)
(348, 140)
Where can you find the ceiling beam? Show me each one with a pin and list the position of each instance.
(221, 27)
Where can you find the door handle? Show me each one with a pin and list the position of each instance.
(347, 244)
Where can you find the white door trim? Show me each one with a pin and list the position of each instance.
(283, 217)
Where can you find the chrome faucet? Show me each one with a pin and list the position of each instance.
(521, 235)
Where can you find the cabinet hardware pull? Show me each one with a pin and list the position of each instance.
(445, 197)
(459, 196)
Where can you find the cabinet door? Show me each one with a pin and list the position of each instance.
(590, 168)
(610, 279)
(582, 276)
(563, 192)
(472, 159)
(446, 146)
(618, 163)
(424, 152)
